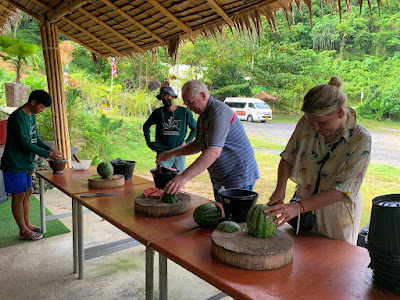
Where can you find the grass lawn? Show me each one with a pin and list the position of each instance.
(379, 180)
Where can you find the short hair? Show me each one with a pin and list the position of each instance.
(40, 96)
(325, 99)
(195, 87)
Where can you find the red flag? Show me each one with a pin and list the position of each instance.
(114, 68)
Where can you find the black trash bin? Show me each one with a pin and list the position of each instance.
(124, 167)
(237, 203)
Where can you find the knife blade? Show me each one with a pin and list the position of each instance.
(98, 194)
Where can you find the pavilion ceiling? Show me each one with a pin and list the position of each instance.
(122, 27)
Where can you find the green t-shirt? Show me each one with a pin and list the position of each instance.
(22, 143)
(171, 128)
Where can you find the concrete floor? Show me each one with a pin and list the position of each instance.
(43, 269)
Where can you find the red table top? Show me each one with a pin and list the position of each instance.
(120, 210)
(72, 181)
(322, 268)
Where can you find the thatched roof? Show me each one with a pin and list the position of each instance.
(122, 27)
(265, 96)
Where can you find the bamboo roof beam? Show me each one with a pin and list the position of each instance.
(43, 5)
(170, 16)
(79, 42)
(94, 18)
(65, 8)
(25, 10)
(214, 5)
(131, 19)
(104, 44)
(6, 8)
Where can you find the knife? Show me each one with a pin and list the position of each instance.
(98, 194)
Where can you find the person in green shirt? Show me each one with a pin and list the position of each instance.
(172, 122)
(17, 162)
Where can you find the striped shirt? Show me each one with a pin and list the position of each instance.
(219, 126)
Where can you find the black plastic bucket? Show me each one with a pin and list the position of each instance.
(162, 176)
(124, 167)
(237, 203)
(384, 226)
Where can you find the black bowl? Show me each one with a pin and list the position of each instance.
(162, 176)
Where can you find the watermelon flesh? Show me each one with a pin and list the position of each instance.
(152, 192)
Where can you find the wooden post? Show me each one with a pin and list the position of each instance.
(55, 82)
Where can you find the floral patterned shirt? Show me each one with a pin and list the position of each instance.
(346, 166)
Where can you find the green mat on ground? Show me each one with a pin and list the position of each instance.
(9, 232)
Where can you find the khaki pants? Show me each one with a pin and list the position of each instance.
(339, 221)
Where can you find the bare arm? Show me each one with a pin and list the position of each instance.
(187, 149)
(206, 159)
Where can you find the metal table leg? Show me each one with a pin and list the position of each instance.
(75, 236)
(42, 207)
(163, 277)
(81, 252)
(149, 273)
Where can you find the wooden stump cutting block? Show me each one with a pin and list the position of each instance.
(243, 251)
(97, 182)
(154, 207)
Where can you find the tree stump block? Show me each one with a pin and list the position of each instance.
(97, 182)
(243, 251)
(154, 207)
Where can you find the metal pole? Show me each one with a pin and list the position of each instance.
(149, 273)
(81, 253)
(163, 277)
(74, 236)
(42, 207)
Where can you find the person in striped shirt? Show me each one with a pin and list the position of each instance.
(225, 148)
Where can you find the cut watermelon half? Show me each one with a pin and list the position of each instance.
(152, 193)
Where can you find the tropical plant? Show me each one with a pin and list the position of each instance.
(19, 53)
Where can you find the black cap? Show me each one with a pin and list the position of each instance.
(166, 90)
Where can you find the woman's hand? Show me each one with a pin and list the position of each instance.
(286, 212)
(55, 154)
(277, 197)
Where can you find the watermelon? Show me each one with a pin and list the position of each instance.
(207, 215)
(105, 169)
(258, 225)
(152, 193)
(169, 198)
(228, 226)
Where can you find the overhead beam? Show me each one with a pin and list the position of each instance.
(214, 5)
(73, 24)
(129, 18)
(43, 5)
(94, 18)
(6, 8)
(170, 16)
(65, 8)
(79, 42)
(20, 7)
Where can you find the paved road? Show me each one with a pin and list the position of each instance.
(385, 141)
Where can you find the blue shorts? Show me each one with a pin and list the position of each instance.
(16, 182)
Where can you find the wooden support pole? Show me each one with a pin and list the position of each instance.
(51, 54)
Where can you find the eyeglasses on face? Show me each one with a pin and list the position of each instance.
(191, 101)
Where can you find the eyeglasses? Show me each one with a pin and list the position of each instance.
(190, 102)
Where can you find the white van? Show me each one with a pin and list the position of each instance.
(250, 109)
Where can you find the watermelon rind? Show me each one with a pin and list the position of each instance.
(259, 226)
(105, 169)
(228, 226)
(207, 215)
(169, 198)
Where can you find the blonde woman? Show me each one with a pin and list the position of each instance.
(327, 157)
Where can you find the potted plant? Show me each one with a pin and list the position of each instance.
(20, 54)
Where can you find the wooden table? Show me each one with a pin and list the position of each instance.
(322, 268)
(118, 210)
